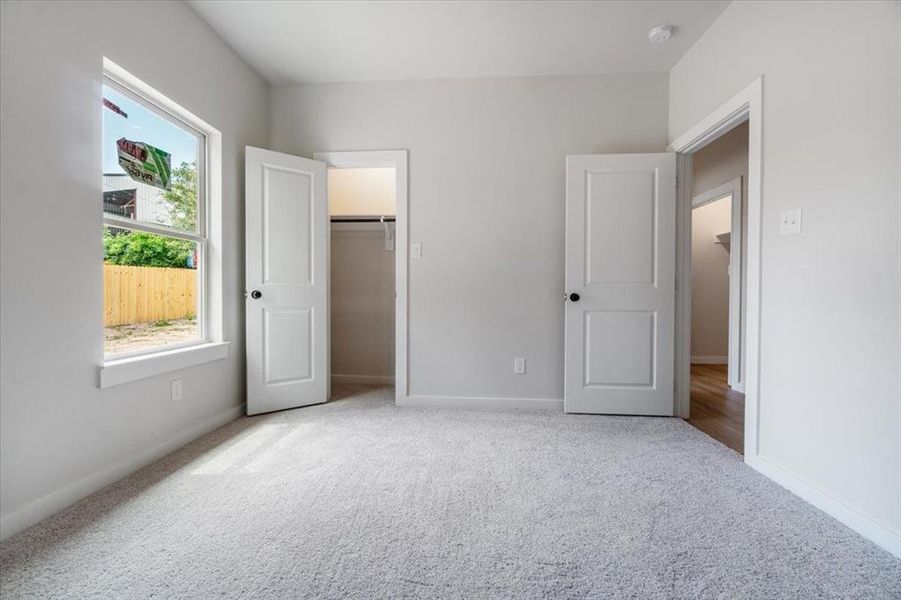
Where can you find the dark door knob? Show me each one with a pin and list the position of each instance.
(256, 294)
(574, 297)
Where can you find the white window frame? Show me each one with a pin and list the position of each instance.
(128, 366)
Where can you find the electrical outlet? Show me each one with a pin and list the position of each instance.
(176, 390)
(790, 222)
(519, 366)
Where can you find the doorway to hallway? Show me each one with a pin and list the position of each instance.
(718, 234)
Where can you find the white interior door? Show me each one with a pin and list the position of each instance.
(287, 281)
(620, 247)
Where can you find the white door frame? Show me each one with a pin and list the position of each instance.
(747, 105)
(730, 188)
(398, 160)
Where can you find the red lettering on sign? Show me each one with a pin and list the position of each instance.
(132, 149)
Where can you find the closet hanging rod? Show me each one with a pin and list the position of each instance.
(363, 219)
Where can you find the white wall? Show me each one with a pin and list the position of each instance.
(60, 436)
(721, 161)
(830, 398)
(710, 282)
(362, 191)
(486, 201)
(362, 301)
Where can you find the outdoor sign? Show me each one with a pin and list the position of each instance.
(115, 108)
(145, 163)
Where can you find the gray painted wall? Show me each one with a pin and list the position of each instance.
(361, 301)
(830, 339)
(60, 436)
(486, 201)
(710, 282)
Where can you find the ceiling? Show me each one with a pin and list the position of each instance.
(309, 41)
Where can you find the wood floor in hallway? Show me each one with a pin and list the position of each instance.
(717, 409)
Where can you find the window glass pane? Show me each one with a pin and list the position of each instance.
(151, 290)
(149, 164)
(361, 191)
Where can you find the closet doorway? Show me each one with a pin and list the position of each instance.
(367, 198)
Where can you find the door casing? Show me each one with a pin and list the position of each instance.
(746, 105)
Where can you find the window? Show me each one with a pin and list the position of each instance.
(154, 226)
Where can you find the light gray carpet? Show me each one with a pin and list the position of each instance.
(359, 498)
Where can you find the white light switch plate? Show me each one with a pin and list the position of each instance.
(790, 222)
(519, 366)
(416, 249)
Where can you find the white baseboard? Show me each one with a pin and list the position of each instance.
(832, 506)
(481, 402)
(709, 360)
(50, 504)
(367, 379)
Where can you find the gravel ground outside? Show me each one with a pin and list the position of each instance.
(135, 336)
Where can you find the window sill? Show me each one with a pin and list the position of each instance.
(123, 370)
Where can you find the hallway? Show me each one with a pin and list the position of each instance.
(716, 409)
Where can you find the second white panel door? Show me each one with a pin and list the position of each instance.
(620, 243)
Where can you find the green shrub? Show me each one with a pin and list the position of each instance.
(140, 249)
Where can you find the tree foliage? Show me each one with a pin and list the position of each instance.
(141, 249)
(182, 197)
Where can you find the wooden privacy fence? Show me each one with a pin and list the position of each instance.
(147, 294)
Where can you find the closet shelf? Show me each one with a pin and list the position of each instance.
(724, 240)
(376, 219)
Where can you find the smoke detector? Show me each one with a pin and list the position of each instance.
(660, 34)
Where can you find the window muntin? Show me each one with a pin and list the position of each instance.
(154, 232)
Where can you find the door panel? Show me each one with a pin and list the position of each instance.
(287, 344)
(287, 264)
(287, 221)
(627, 362)
(620, 244)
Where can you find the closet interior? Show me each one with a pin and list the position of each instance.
(362, 205)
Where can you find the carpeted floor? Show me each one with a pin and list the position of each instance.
(359, 498)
